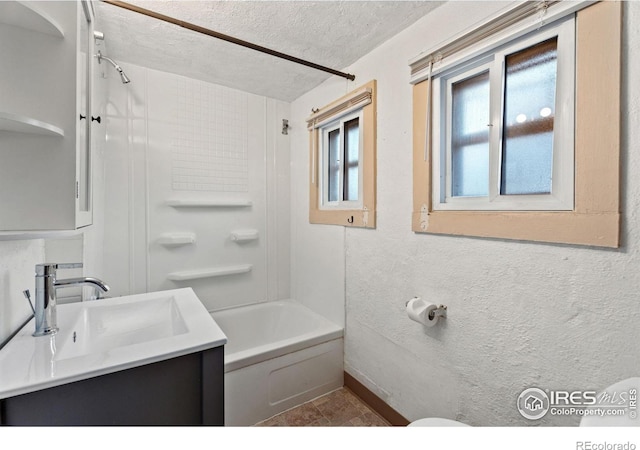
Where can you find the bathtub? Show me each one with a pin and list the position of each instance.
(278, 355)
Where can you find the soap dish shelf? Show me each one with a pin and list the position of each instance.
(211, 272)
(176, 239)
(240, 236)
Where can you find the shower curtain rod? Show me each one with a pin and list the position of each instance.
(227, 38)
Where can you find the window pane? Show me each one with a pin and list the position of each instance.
(470, 136)
(333, 176)
(529, 98)
(351, 156)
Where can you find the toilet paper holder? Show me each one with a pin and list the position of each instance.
(440, 311)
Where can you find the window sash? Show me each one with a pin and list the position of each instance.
(446, 181)
(561, 197)
(324, 202)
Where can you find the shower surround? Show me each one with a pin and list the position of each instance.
(190, 166)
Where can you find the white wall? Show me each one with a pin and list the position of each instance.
(17, 263)
(147, 120)
(520, 314)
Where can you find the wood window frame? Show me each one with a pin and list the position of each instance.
(363, 216)
(595, 219)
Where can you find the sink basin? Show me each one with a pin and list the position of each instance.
(108, 326)
(104, 336)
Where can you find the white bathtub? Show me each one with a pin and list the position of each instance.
(278, 355)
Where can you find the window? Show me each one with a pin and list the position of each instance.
(516, 135)
(342, 156)
(503, 137)
(340, 163)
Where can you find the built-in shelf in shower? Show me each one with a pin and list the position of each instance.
(176, 239)
(211, 272)
(29, 125)
(27, 15)
(244, 235)
(206, 203)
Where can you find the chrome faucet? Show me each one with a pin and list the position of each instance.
(46, 285)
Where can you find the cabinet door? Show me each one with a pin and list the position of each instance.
(85, 58)
(45, 157)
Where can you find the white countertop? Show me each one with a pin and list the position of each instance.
(108, 337)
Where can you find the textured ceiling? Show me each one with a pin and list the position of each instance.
(330, 33)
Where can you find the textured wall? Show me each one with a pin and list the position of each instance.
(329, 33)
(520, 314)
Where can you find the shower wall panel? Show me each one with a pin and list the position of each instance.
(191, 166)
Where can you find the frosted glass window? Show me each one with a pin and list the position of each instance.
(503, 126)
(529, 110)
(470, 136)
(352, 159)
(333, 166)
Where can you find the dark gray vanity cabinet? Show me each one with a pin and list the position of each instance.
(186, 390)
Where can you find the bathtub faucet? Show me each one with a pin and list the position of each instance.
(46, 285)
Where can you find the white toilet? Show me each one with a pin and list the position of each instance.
(436, 422)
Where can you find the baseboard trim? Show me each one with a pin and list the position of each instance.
(376, 403)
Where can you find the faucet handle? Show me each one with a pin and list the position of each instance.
(70, 266)
(27, 295)
(46, 269)
(49, 269)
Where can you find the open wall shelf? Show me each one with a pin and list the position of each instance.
(26, 15)
(23, 124)
(205, 203)
(244, 235)
(186, 275)
(176, 239)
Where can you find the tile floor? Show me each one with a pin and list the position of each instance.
(340, 408)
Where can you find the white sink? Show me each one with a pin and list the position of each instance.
(106, 326)
(104, 336)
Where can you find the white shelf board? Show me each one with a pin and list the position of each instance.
(211, 272)
(244, 235)
(37, 234)
(26, 15)
(23, 124)
(175, 239)
(207, 203)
